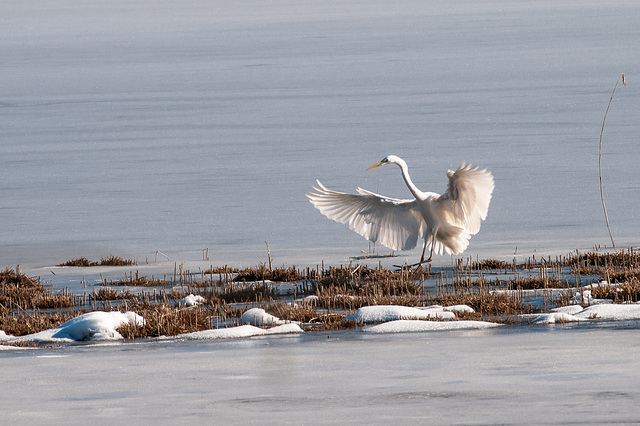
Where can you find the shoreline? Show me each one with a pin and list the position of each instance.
(325, 298)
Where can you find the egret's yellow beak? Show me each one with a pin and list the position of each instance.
(375, 165)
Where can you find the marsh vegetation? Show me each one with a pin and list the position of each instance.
(321, 298)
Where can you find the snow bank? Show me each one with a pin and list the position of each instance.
(192, 300)
(240, 331)
(91, 326)
(613, 312)
(556, 317)
(260, 318)
(402, 326)
(461, 309)
(5, 336)
(571, 309)
(383, 313)
(252, 319)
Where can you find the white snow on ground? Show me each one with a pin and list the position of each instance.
(461, 309)
(556, 317)
(240, 331)
(593, 312)
(401, 326)
(383, 313)
(253, 318)
(312, 300)
(260, 318)
(571, 309)
(96, 325)
(399, 319)
(100, 325)
(192, 300)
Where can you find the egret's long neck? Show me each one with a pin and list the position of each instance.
(407, 179)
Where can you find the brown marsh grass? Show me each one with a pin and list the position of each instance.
(485, 303)
(111, 294)
(626, 292)
(262, 273)
(28, 322)
(17, 291)
(27, 307)
(108, 261)
(309, 316)
(624, 259)
(163, 319)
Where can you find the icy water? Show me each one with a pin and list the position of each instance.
(131, 128)
(561, 375)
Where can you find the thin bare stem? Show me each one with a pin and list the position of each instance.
(606, 216)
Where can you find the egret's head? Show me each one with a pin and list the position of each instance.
(384, 161)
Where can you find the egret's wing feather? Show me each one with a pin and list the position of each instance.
(396, 224)
(467, 199)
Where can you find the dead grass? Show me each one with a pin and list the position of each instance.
(108, 261)
(20, 324)
(625, 292)
(310, 317)
(492, 264)
(162, 319)
(536, 283)
(17, 291)
(138, 281)
(486, 303)
(27, 307)
(625, 259)
(262, 273)
(107, 293)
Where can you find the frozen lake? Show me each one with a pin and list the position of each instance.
(540, 375)
(130, 128)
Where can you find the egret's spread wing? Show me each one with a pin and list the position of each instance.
(397, 224)
(467, 199)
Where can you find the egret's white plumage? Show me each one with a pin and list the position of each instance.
(446, 222)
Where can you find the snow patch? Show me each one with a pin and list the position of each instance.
(240, 332)
(402, 326)
(96, 325)
(461, 309)
(612, 312)
(383, 313)
(260, 318)
(556, 317)
(192, 300)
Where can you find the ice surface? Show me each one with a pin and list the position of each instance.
(131, 127)
(502, 375)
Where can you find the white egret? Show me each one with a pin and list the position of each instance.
(446, 222)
